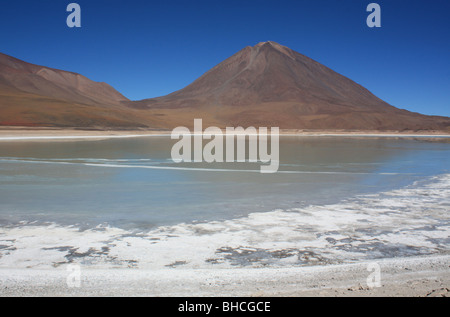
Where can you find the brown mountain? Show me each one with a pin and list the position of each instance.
(272, 85)
(32, 95)
(265, 85)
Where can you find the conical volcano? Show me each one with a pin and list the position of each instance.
(271, 85)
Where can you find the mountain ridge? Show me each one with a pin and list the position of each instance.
(33, 78)
(263, 85)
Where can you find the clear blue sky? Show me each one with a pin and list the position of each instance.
(151, 48)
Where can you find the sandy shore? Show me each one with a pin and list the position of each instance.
(420, 276)
(71, 134)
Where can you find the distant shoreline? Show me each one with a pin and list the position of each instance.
(61, 134)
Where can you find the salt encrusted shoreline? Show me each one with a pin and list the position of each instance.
(411, 221)
(418, 276)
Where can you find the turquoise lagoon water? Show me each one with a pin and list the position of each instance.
(130, 183)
